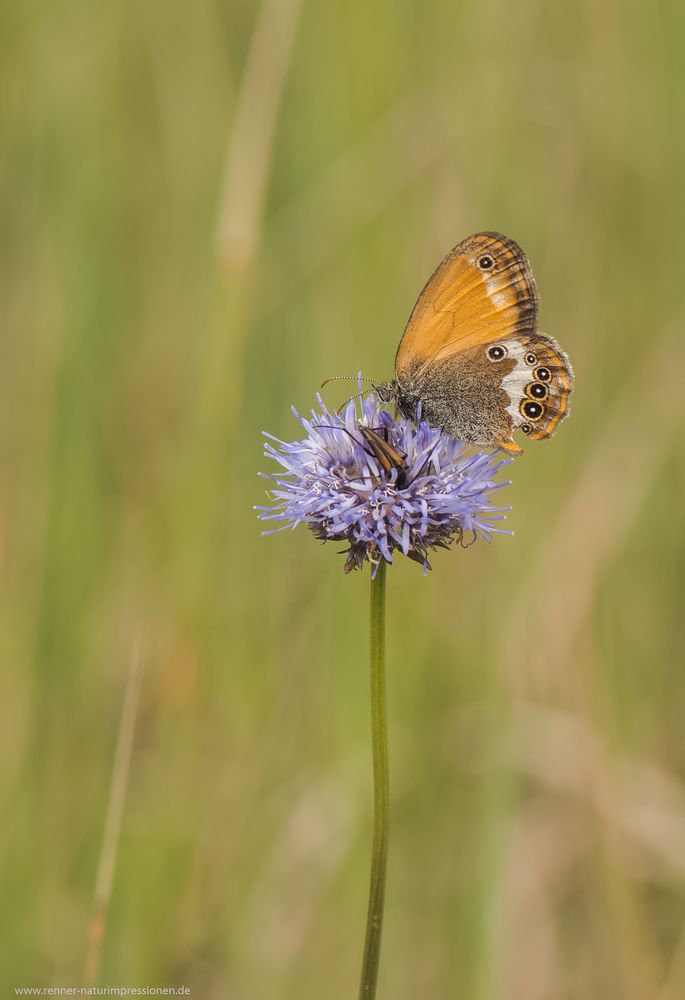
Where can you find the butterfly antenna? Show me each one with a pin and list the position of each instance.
(349, 399)
(339, 378)
(359, 378)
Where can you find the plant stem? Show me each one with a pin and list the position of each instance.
(115, 810)
(379, 740)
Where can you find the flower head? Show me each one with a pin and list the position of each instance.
(401, 488)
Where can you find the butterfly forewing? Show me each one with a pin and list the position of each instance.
(482, 292)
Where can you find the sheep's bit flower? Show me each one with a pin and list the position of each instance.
(335, 484)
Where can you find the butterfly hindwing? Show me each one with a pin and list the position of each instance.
(539, 386)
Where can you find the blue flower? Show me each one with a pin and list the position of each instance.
(401, 488)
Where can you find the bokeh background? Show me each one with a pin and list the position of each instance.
(207, 209)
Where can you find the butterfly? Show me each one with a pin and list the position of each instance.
(471, 355)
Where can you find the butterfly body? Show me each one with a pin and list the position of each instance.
(471, 356)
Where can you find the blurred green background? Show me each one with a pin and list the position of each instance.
(207, 209)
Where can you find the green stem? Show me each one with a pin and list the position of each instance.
(379, 740)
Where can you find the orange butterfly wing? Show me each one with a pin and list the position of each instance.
(482, 292)
(551, 356)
